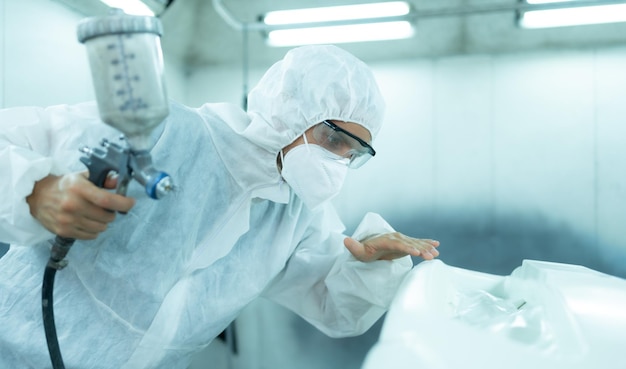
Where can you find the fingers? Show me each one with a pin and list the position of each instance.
(71, 206)
(103, 199)
(97, 209)
(110, 201)
(399, 243)
(80, 228)
(111, 181)
(427, 249)
(392, 246)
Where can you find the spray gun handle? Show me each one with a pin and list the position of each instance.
(111, 157)
(100, 161)
(98, 169)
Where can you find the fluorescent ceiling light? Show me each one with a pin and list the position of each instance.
(548, 1)
(575, 16)
(340, 34)
(337, 13)
(134, 7)
(339, 24)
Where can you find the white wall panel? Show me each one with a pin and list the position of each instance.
(3, 27)
(544, 136)
(44, 62)
(610, 113)
(462, 135)
(175, 79)
(219, 84)
(41, 61)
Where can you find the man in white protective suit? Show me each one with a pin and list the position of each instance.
(250, 218)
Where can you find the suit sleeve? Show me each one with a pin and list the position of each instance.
(34, 143)
(338, 294)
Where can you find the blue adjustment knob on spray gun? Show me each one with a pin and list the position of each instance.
(127, 69)
(128, 164)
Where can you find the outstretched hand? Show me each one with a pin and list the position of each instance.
(390, 246)
(71, 206)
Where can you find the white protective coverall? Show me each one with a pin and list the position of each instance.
(165, 279)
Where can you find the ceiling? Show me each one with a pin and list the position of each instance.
(195, 33)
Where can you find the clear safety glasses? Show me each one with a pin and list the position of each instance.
(343, 144)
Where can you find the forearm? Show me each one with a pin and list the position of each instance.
(20, 171)
(362, 292)
(23, 154)
(332, 290)
(365, 289)
(35, 143)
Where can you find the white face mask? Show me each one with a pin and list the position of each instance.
(312, 174)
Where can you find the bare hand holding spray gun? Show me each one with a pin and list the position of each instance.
(72, 206)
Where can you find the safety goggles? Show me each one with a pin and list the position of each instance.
(342, 144)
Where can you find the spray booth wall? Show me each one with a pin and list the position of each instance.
(504, 158)
(41, 61)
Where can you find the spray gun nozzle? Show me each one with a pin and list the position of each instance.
(163, 186)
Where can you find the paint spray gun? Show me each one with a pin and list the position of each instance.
(127, 70)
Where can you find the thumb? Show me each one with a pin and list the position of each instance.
(355, 247)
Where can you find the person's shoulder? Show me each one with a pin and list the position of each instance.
(85, 105)
(174, 104)
(208, 108)
(83, 110)
(220, 108)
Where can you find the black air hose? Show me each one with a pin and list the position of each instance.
(60, 247)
